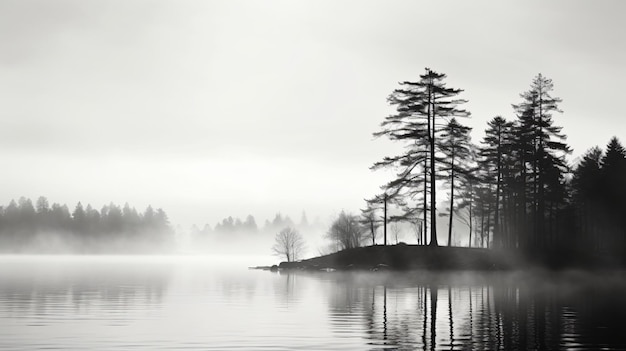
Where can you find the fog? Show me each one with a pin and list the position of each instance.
(153, 150)
(220, 109)
(47, 227)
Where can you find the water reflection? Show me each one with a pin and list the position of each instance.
(139, 303)
(481, 311)
(57, 289)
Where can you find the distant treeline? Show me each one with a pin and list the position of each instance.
(233, 235)
(230, 225)
(25, 227)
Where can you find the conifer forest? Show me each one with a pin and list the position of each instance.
(515, 189)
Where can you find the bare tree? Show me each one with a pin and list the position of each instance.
(289, 244)
(369, 221)
(418, 229)
(346, 231)
(396, 231)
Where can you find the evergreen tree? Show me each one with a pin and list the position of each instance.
(148, 216)
(495, 143)
(79, 219)
(456, 147)
(60, 217)
(42, 205)
(93, 219)
(421, 107)
(114, 221)
(613, 177)
(548, 150)
(250, 224)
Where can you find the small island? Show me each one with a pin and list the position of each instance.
(406, 257)
(515, 197)
(402, 257)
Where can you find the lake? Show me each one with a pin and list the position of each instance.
(197, 303)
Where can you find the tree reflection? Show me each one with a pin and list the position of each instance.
(424, 295)
(433, 317)
(450, 318)
(494, 312)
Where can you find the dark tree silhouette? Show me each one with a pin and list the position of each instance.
(420, 106)
(589, 198)
(599, 203)
(518, 192)
(456, 147)
(613, 177)
(496, 143)
(547, 153)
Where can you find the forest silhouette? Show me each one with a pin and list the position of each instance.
(45, 228)
(515, 190)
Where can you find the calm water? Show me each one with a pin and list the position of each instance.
(78, 303)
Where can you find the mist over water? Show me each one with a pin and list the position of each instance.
(195, 302)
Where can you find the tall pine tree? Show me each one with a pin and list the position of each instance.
(422, 108)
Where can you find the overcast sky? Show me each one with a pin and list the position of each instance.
(217, 108)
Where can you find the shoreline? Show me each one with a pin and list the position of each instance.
(403, 257)
(407, 257)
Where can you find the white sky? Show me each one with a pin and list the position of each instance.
(217, 108)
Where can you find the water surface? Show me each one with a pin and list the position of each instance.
(194, 303)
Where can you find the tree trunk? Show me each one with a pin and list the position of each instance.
(504, 237)
(541, 207)
(431, 135)
(482, 227)
(451, 202)
(385, 219)
(488, 222)
(496, 229)
(535, 196)
(470, 221)
(425, 228)
(523, 227)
